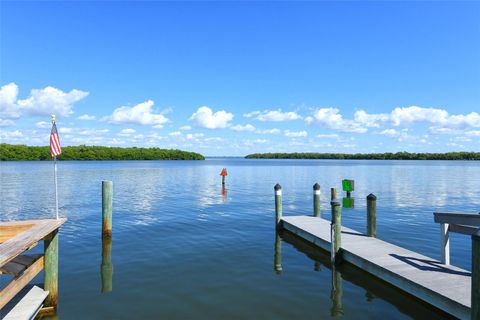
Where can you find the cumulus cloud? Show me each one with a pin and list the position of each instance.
(273, 115)
(175, 133)
(141, 114)
(204, 117)
(185, 128)
(87, 117)
(370, 120)
(327, 135)
(295, 134)
(268, 131)
(40, 102)
(240, 128)
(331, 118)
(43, 125)
(400, 135)
(6, 122)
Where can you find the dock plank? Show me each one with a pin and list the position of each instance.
(28, 306)
(27, 238)
(443, 286)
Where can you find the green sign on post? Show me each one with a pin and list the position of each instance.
(348, 185)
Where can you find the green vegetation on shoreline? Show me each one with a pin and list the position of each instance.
(9, 152)
(369, 156)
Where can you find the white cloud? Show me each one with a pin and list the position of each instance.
(43, 125)
(6, 123)
(205, 118)
(87, 117)
(11, 135)
(370, 120)
(65, 130)
(40, 102)
(91, 132)
(273, 115)
(240, 128)
(175, 133)
(400, 135)
(295, 134)
(8, 99)
(331, 118)
(411, 114)
(128, 131)
(141, 114)
(327, 136)
(194, 136)
(268, 131)
(185, 128)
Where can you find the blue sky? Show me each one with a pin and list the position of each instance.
(232, 78)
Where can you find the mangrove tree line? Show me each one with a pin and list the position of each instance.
(9, 152)
(369, 156)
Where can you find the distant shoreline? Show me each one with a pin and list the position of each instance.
(10, 152)
(369, 156)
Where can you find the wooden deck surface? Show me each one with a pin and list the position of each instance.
(443, 286)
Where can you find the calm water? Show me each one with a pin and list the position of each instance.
(183, 250)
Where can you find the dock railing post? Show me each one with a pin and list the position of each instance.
(278, 205)
(335, 231)
(51, 269)
(445, 243)
(475, 304)
(316, 200)
(107, 199)
(372, 215)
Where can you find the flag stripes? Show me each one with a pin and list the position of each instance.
(55, 148)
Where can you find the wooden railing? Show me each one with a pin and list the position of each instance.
(464, 223)
(468, 224)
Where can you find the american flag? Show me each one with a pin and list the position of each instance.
(55, 148)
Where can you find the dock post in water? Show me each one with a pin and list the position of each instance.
(372, 215)
(223, 174)
(475, 305)
(107, 199)
(316, 200)
(335, 231)
(278, 204)
(51, 269)
(333, 194)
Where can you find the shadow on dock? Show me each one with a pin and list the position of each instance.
(374, 287)
(428, 265)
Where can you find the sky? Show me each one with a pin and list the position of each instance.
(232, 78)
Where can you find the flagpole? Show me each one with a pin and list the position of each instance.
(56, 189)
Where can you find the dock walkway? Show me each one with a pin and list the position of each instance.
(443, 286)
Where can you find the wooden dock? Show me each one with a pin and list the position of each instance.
(16, 239)
(443, 286)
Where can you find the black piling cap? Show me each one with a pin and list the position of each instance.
(316, 186)
(334, 203)
(371, 196)
(277, 187)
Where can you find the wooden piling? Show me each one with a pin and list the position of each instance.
(475, 296)
(316, 200)
(372, 215)
(333, 194)
(445, 243)
(106, 268)
(278, 204)
(107, 200)
(51, 269)
(335, 231)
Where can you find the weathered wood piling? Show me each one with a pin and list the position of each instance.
(107, 204)
(51, 269)
(278, 204)
(371, 215)
(336, 231)
(316, 200)
(476, 275)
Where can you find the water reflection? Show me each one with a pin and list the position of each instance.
(224, 193)
(106, 268)
(375, 288)
(336, 293)
(348, 202)
(277, 258)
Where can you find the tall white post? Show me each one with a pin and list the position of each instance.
(56, 189)
(445, 243)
